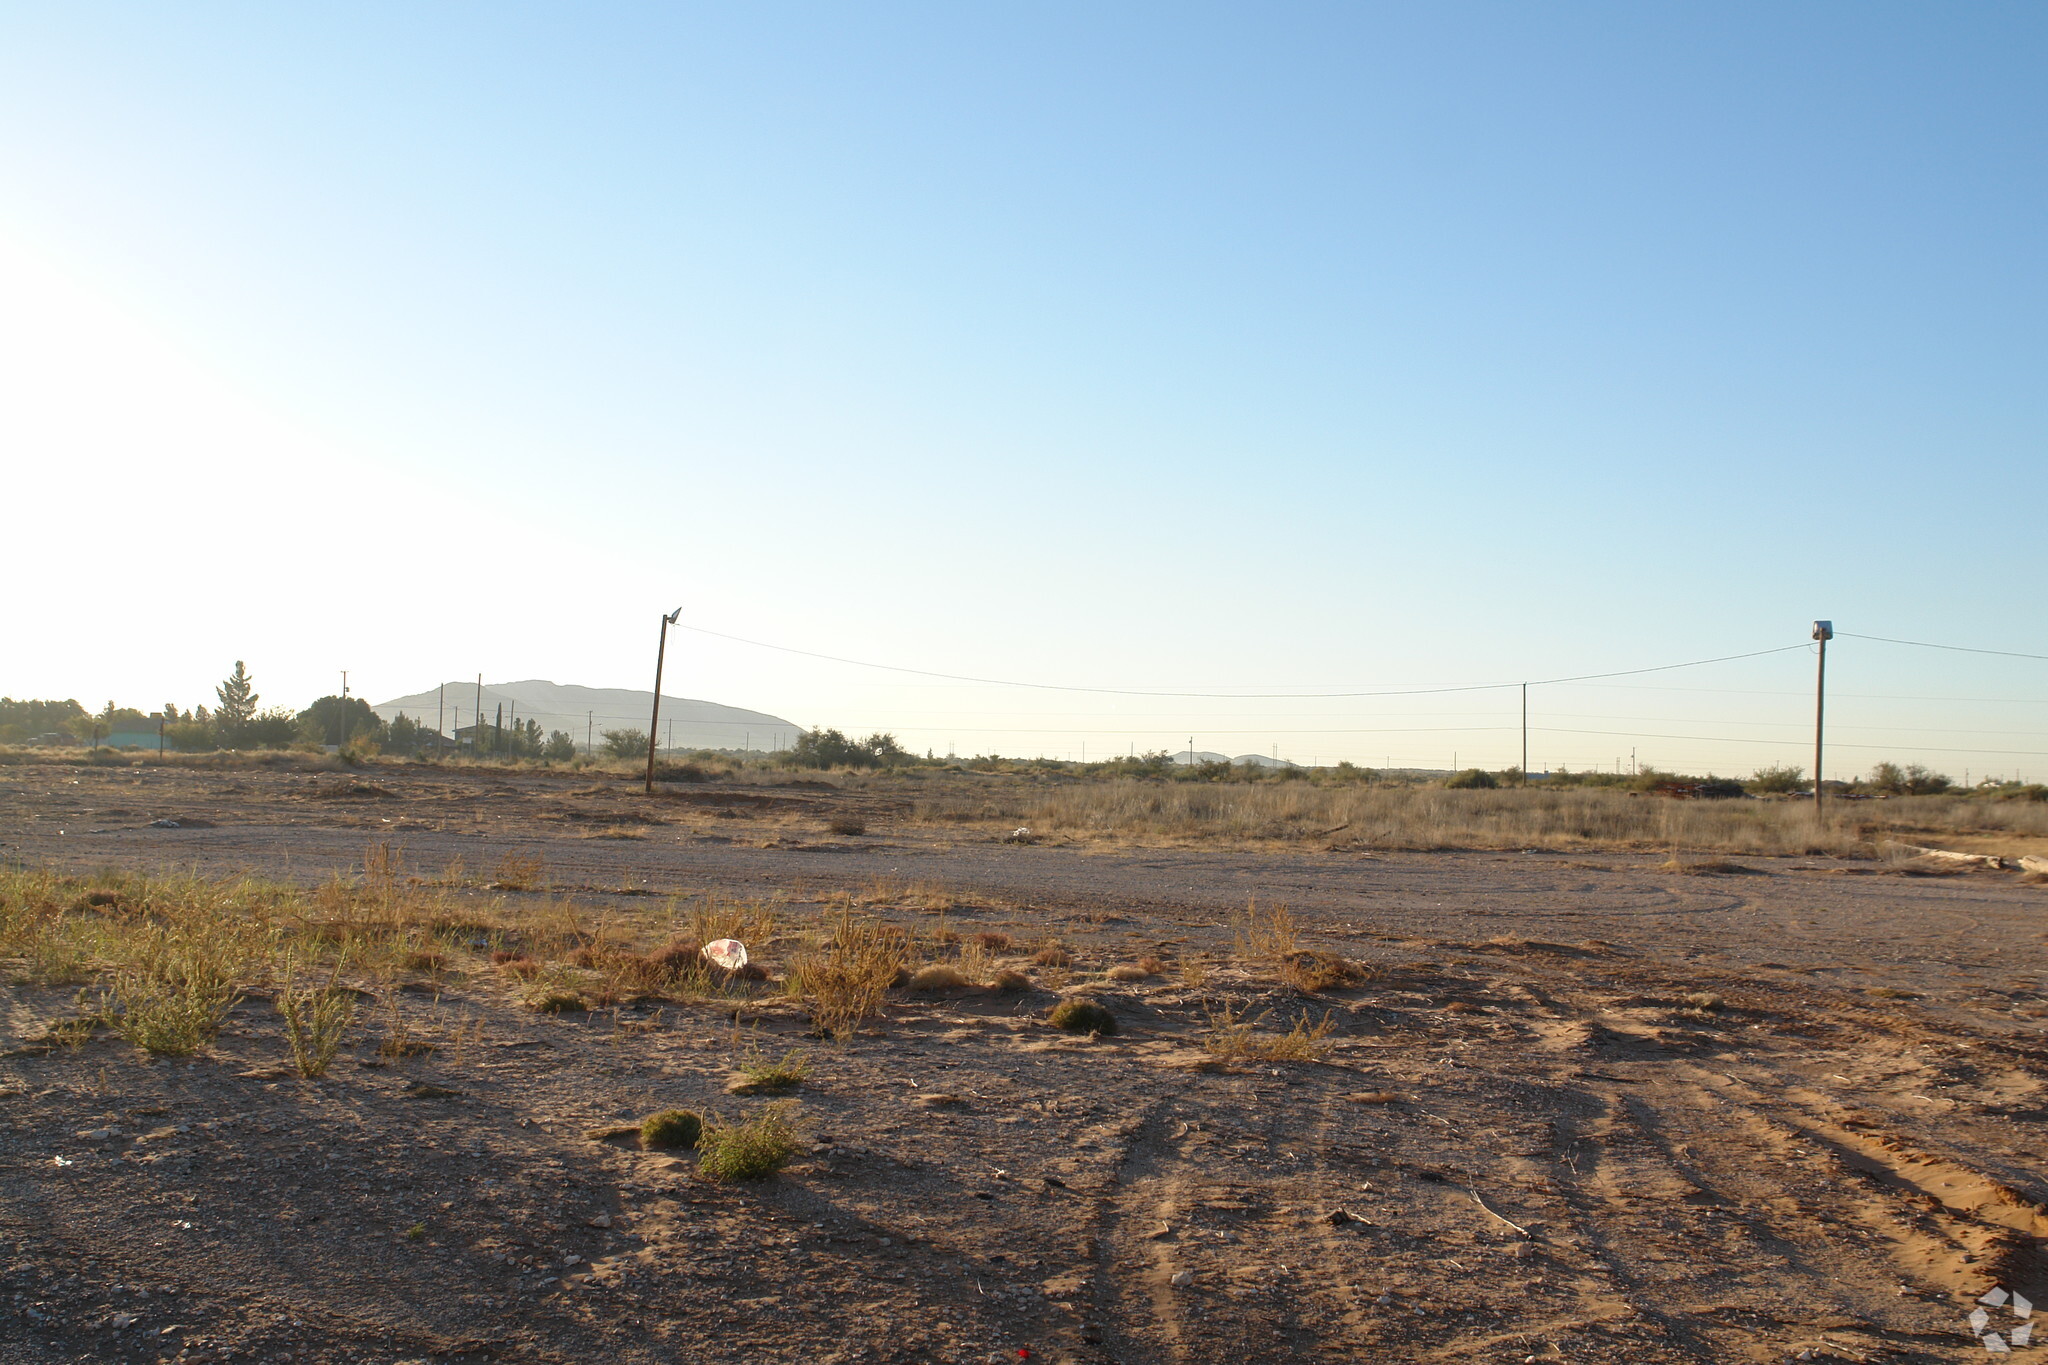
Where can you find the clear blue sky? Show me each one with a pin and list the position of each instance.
(1174, 346)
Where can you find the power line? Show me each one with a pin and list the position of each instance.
(1234, 696)
(1959, 649)
(1794, 743)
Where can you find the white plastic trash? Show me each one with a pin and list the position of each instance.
(728, 953)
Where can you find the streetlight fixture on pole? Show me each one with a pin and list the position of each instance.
(654, 720)
(1823, 631)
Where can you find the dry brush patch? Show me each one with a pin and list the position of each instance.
(1435, 818)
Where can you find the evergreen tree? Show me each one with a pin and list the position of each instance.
(238, 699)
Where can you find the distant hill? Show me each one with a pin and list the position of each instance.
(1242, 760)
(587, 712)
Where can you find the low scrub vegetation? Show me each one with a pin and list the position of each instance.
(670, 1129)
(1233, 1037)
(1079, 1014)
(752, 1149)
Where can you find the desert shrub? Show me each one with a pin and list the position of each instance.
(758, 1074)
(1053, 955)
(1313, 971)
(1152, 966)
(937, 976)
(669, 1129)
(177, 986)
(751, 1150)
(1268, 936)
(521, 872)
(1233, 1037)
(556, 1002)
(847, 824)
(847, 979)
(314, 1018)
(1079, 1014)
(1126, 971)
(993, 940)
(1009, 981)
(1470, 779)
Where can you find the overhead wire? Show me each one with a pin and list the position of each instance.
(1235, 696)
(1958, 649)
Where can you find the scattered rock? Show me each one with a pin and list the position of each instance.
(1182, 1279)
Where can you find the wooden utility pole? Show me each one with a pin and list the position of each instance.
(1823, 631)
(478, 737)
(1525, 734)
(440, 721)
(654, 720)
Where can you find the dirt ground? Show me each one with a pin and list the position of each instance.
(1586, 1108)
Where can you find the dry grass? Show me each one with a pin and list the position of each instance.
(1268, 936)
(752, 922)
(846, 978)
(757, 1075)
(938, 976)
(521, 872)
(314, 1018)
(1233, 1037)
(175, 988)
(1428, 818)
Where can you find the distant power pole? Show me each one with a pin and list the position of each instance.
(478, 746)
(441, 719)
(341, 720)
(654, 718)
(589, 729)
(1525, 734)
(1823, 631)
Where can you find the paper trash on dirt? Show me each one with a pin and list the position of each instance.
(728, 953)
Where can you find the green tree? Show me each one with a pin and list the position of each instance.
(331, 720)
(627, 743)
(237, 695)
(1782, 777)
(831, 749)
(88, 729)
(20, 720)
(276, 728)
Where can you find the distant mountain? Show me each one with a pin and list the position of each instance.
(1242, 760)
(587, 712)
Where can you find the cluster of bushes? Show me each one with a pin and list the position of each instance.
(831, 749)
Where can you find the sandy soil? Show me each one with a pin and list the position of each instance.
(1523, 1144)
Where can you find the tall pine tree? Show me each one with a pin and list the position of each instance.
(237, 705)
